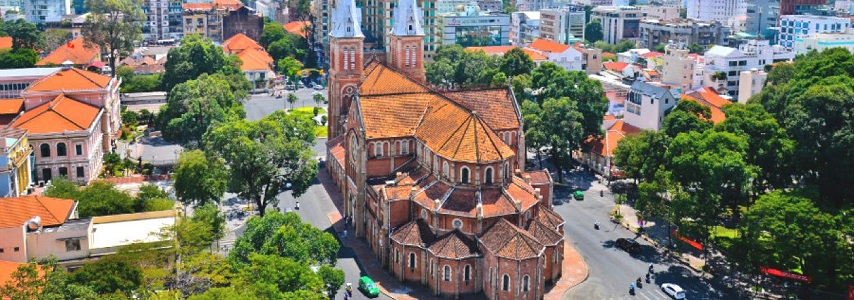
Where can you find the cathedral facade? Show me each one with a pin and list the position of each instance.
(433, 180)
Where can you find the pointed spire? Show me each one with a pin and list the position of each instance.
(346, 20)
(407, 19)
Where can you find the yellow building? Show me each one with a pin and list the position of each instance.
(15, 162)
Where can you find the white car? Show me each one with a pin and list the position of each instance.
(673, 290)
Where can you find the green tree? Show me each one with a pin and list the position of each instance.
(265, 155)
(440, 73)
(150, 193)
(114, 25)
(63, 188)
(521, 87)
(558, 127)
(290, 66)
(44, 280)
(276, 277)
(20, 58)
(687, 116)
(516, 62)
(285, 235)
(273, 31)
(193, 106)
(292, 98)
(661, 48)
(642, 155)
(622, 46)
(593, 31)
(24, 34)
(102, 198)
(196, 56)
(318, 99)
(109, 275)
(332, 278)
(696, 48)
(53, 38)
(199, 178)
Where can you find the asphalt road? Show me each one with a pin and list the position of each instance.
(612, 270)
(260, 105)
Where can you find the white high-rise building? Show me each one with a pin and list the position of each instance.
(798, 27)
(723, 65)
(564, 25)
(713, 10)
(37, 11)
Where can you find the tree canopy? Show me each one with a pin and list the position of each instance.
(199, 178)
(114, 25)
(195, 105)
(266, 155)
(198, 55)
(593, 31)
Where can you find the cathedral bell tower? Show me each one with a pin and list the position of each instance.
(406, 45)
(345, 62)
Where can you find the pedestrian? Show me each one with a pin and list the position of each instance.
(345, 233)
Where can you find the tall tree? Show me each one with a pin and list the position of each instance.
(291, 67)
(109, 275)
(193, 106)
(593, 31)
(43, 280)
(24, 34)
(114, 25)
(265, 155)
(285, 235)
(641, 155)
(560, 125)
(102, 198)
(199, 178)
(53, 38)
(516, 62)
(687, 116)
(198, 55)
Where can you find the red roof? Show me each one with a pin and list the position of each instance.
(6, 270)
(617, 130)
(617, 66)
(652, 54)
(61, 114)
(548, 46)
(708, 97)
(5, 43)
(74, 51)
(52, 211)
(297, 27)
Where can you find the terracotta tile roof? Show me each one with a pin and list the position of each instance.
(454, 245)
(431, 190)
(379, 80)
(7, 268)
(59, 115)
(470, 141)
(298, 27)
(508, 241)
(521, 191)
(617, 66)
(605, 145)
(414, 233)
(71, 79)
(11, 106)
(460, 202)
(336, 147)
(219, 4)
(5, 43)
(711, 99)
(548, 217)
(393, 115)
(197, 6)
(496, 203)
(240, 42)
(75, 51)
(397, 192)
(500, 112)
(228, 4)
(548, 46)
(255, 60)
(652, 54)
(52, 211)
(544, 234)
(539, 176)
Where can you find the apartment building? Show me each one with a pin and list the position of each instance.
(163, 20)
(794, 27)
(654, 32)
(221, 19)
(37, 11)
(723, 65)
(524, 27)
(678, 67)
(821, 41)
(646, 105)
(661, 12)
(750, 83)
(712, 10)
(793, 7)
(376, 20)
(761, 17)
(619, 22)
(563, 25)
(473, 30)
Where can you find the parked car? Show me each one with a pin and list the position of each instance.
(368, 287)
(578, 195)
(318, 87)
(631, 246)
(673, 290)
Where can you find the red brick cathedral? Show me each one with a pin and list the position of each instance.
(432, 180)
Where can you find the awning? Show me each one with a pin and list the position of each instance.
(690, 242)
(98, 64)
(787, 275)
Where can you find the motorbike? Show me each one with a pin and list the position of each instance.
(632, 289)
(647, 278)
(596, 225)
(640, 284)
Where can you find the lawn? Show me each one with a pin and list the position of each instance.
(308, 112)
(723, 232)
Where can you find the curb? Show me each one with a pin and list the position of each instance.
(657, 246)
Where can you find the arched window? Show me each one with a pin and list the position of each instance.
(447, 273)
(505, 283)
(506, 170)
(394, 150)
(525, 285)
(352, 58)
(406, 54)
(396, 256)
(412, 260)
(414, 56)
(45, 150)
(61, 150)
(457, 223)
(378, 149)
(487, 175)
(467, 273)
(431, 267)
(445, 171)
(404, 147)
(424, 214)
(346, 58)
(353, 147)
(464, 175)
